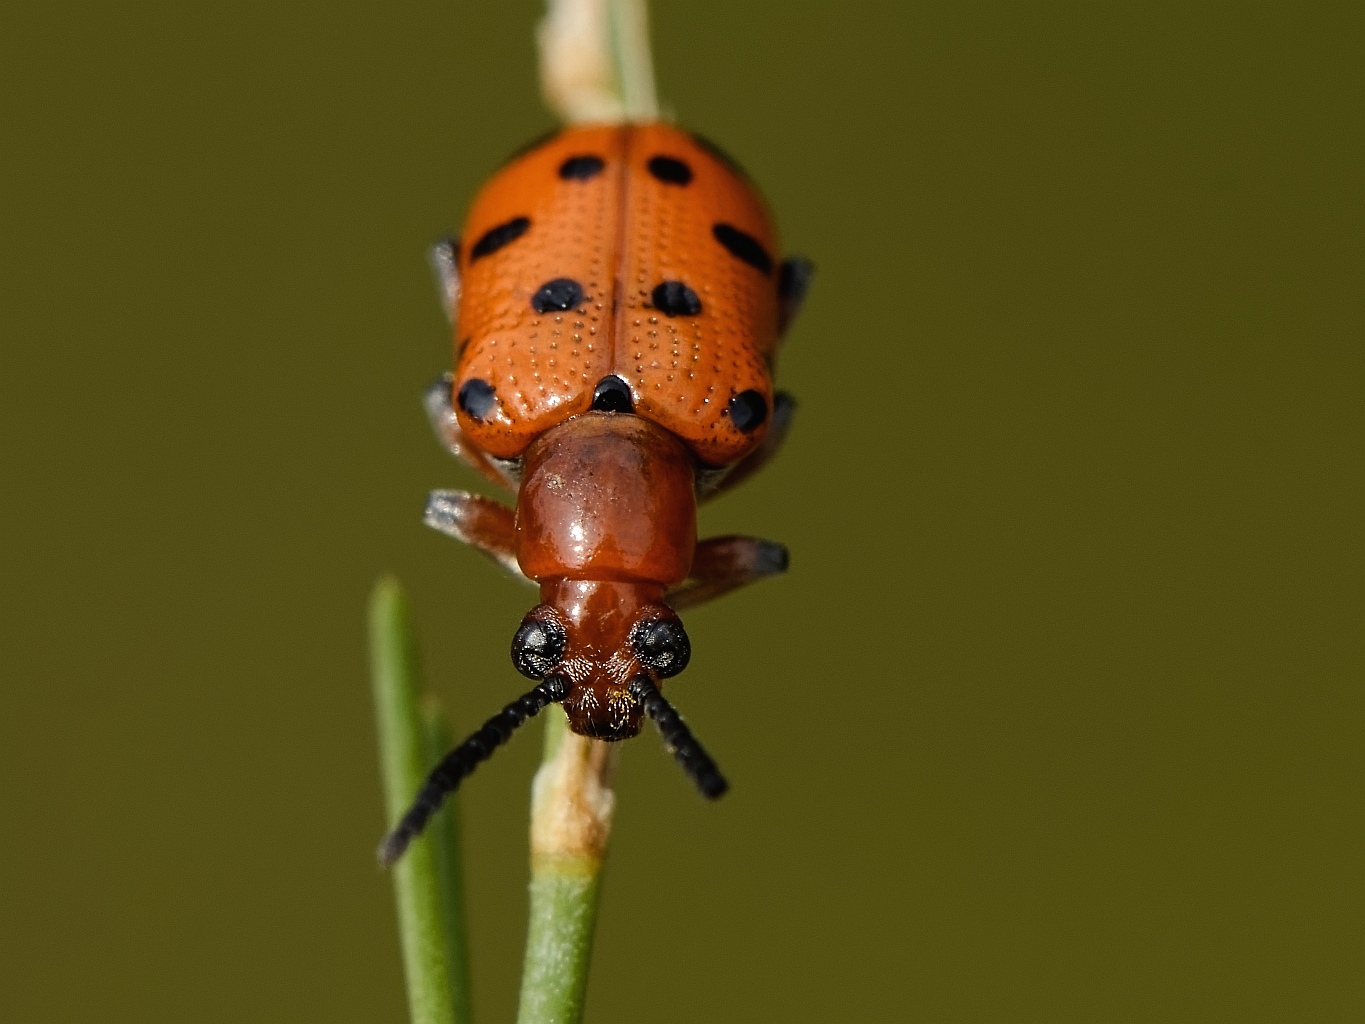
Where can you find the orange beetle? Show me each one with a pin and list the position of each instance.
(618, 314)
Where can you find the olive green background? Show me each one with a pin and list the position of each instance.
(1058, 715)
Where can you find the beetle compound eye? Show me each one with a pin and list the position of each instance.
(538, 647)
(662, 644)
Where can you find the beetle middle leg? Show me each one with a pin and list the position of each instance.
(480, 522)
(723, 564)
(446, 426)
(784, 408)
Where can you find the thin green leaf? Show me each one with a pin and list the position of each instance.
(403, 762)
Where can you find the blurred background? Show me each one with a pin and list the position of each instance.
(1058, 714)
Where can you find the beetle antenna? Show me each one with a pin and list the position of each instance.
(678, 739)
(448, 775)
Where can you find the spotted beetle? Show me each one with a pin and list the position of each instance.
(618, 312)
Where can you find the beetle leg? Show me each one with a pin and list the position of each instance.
(784, 407)
(793, 281)
(441, 415)
(479, 522)
(443, 257)
(723, 564)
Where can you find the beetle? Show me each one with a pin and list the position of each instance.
(617, 313)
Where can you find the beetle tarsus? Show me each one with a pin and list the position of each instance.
(461, 761)
(678, 738)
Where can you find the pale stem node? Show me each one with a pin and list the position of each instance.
(595, 62)
(572, 801)
(577, 73)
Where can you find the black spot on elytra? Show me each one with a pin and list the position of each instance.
(673, 298)
(556, 296)
(612, 394)
(670, 169)
(744, 246)
(719, 154)
(495, 238)
(748, 410)
(477, 398)
(581, 168)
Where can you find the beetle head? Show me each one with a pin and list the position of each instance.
(599, 637)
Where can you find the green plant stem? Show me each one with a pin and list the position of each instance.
(595, 66)
(571, 812)
(554, 979)
(404, 761)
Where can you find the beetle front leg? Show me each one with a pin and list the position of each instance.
(480, 522)
(723, 564)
